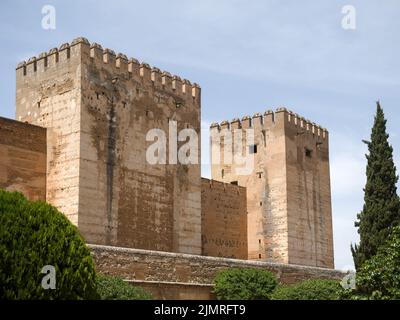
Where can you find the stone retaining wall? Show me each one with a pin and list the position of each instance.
(184, 276)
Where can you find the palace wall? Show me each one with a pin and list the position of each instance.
(23, 158)
(224, 220)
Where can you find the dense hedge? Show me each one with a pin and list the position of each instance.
(314, 289)
(244, 284)
(114, 288)
(33, 235)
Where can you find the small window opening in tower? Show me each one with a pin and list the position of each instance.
(308, 152)
(234, 183)
(253, 149)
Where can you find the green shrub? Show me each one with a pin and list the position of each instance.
(114, 288)
(244, 284)
(379, 277)
(33, 235)
(310, 290)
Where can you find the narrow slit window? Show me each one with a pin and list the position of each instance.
(253, 149)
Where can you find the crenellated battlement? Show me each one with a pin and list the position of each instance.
(269, 118)
(117, 62)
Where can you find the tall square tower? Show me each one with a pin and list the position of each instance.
(98, 108)
(288, 186)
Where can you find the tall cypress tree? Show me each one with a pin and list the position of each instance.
(381, 210)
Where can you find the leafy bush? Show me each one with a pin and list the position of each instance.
(379, 277)
(314, 289)
(114, 288)
(244, 284)
(33, 235)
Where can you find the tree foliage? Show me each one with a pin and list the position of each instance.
(244, 284)
(34, 235)
(114, 288)
(381, 210)
(314, 289)
(379, 277)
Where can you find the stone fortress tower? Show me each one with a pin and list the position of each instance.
(288, 188)
(79, 143)
(98, 107)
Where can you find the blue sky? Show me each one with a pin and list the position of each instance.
(248, 56)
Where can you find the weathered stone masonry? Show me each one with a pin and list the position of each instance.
(224, 220)
(136, 264)
(288, 189)
(23, 158)
(98, 107)
(183, 276)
